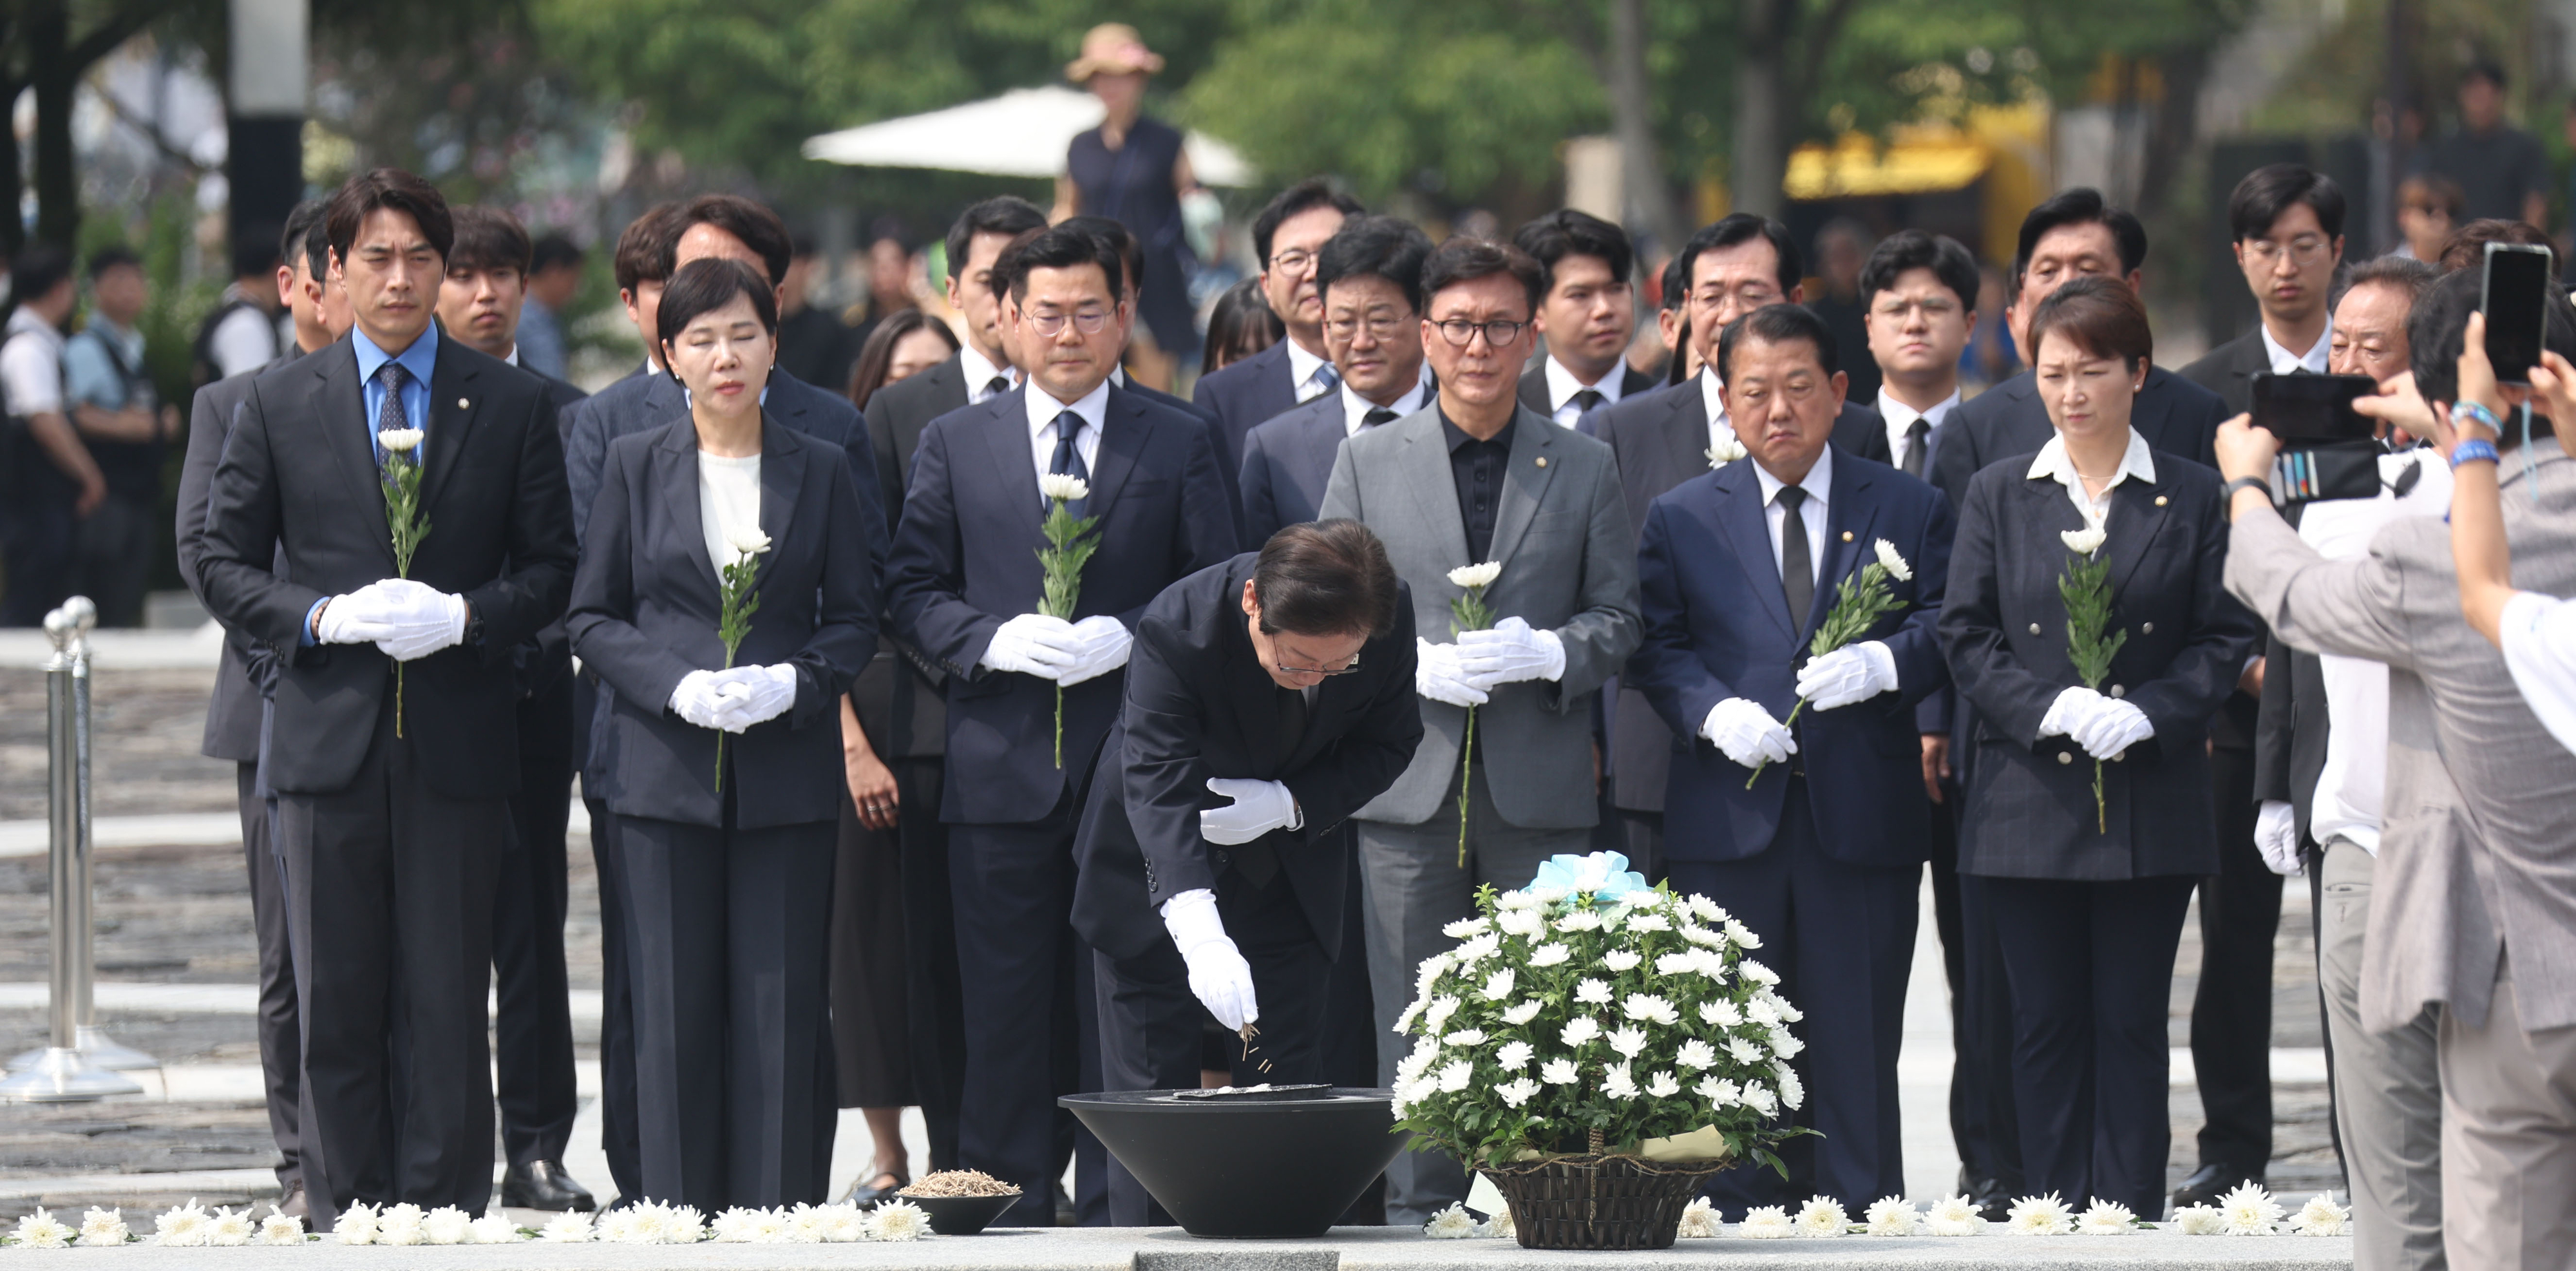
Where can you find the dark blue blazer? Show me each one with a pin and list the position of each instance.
(1286, 464)
(645, 611)
(2176, 416)
(965, 560)
(1216, 442)
(1245, 396)
(1717, 627)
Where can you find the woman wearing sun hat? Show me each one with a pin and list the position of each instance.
(1132, 169)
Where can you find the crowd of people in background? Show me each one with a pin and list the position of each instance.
(910, 832)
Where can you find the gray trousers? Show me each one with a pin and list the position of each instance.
(2387, 1088)
(2508, 1139)
(1411, 886)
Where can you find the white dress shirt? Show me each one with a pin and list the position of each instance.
(2284, 362)
(1901, 417)
(1712, 396)
(1562, 386)
(1355, 408)
(1302, 367)
(1043, 408)
(2053, 463)
(728, 501)
(31, 365)
(2351, 783)
(979, 371)
(1819, 482)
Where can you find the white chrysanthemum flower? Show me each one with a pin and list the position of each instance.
(40, 1230)
(1617, 1083)
(1703, 936)
(1465, 1037)
(1788, 1013)
(1648, 922)
(1592, 992)
(1453, 1223)
(1461, 928)
(768, 1227)
(2106, 1218)
(2321, 1216)
(1704, 909)
(1580, 920)
(281, 1228)
(732, 1227)
(844, 1224)
(1649, 1008)
(2200, 1220)
(1720, 1012)
(1064, 486)
(746, 540)
(1719, 1091)
(2250, 1210)
(1553, 953)
(1757, 973)
(1523, 1012)
(1723, 450)
(1743, 1051)
(1548, 897)
(400, 440)
(1822, 1216)
(1628, 1040)
(1482, 575)
(400, 1224)
(1442, 1007)
(1499, 985)
(1517, 1091)
(1524, 923)
(1559, 1072)
(1892, 562)
(1793, 1092)
(1514, 1055)
(1678, 962)
(1456, 1076)
(1622, 961)
(180, 1227)
(1784, 1043)
(898, 1220)
(230, 1228)
(1762, 1011)
(1768, 1222)
(2040, 1216)
(446, 1225)
(493, 1228)
(1699, 1220)
(1516, 901)
(107, 1227)
(1472, 951)
(1579, 1031)
(1954, 1216)
(356, 1225)
(1759, 1098)
(2083, 542)
(1892, 1216)
(1499, 1227)
(802, 1225)
(1432, 968)
(1697, 1055)
(617, 1226)
(1742, 935)
(1663, 1085)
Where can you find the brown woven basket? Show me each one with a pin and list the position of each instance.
(1599, 1201)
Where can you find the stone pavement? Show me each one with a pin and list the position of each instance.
(176, 959)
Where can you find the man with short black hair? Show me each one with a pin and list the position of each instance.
(56, 482)
(1918, 295)
(2500, 169)
(554, 274)
(108, 386)
(2286, 221)
(1587, 319)
(1287, 234)
(1281, 683)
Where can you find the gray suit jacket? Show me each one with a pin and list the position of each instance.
(2479, 850)
(1287, 462)
(1569, 565)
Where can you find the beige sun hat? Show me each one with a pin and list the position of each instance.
(1112, 48)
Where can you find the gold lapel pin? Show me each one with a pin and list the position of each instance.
(1846, 536)
(1542, 461)
(2160, 500)
(462, 404)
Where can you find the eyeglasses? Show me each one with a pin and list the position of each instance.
(1380, 327)
(2306, 249)
(1087, 321)
(1344, 669)
(1461, 332)
(1295, 260)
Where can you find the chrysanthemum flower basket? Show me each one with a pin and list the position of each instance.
(1598, 1048)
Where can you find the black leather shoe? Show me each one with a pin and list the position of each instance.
(293, 1204)
(2212, 1181)
(544, 1185)
(1992, 1199)
(865, 1194)
(1064, 1212)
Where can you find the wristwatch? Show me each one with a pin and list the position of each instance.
(2248, 483)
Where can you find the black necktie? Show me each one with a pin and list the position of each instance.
(999, 385)
(1068, 459)
(1376, 415)
(1797, 572)
(1918, 436)
(1586, 401)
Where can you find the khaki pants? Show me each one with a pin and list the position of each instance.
(2387, 1088)
(2508, 1140)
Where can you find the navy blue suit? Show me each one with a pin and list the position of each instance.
(965, 560)
(1246, 395)
(1287, 462)
(1820, 856)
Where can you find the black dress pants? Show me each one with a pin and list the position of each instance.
(532, 1026)
(281, 1041)
(2231, 1011)
(936, 1007)
(729, 963)
(1150, 1022)
(1981, 1108)
(389, 888)
(1013, 892)
(2091, 965)
(618, 1138)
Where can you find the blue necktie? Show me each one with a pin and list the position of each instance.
(1068, 459)
(1325, 376)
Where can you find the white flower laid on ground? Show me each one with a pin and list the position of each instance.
(281, 1228)
(2321, 1216)
(566, 1228)
(2040, 1216)
(447, 1225)
(1453, 1223)
(2250, 1211)
(1766, 1222)
(2106, 1218)
(898, 1220)
(1725, 450)
(1499, 1226)
(181, 1227)
(1700, 1220)
(1822, 1217)
(41, 1230)
(104, 1227)
(2200, 1220)
(1955, 1216)
(494, 1228)
(230, 1228)
(404, 1224)
(357, 1225)
(1893, 1216)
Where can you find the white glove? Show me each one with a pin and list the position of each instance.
(1033, 644)
(698, 697)
(363, 616)
(751, 695)
(1436, 675)
(424, 619)
(2071, 711)
(1104, 644)
(1219, 977)
(1852, 673)
(1259, 807)
(2114, 728)
(1511, 650)
(1747, 733)
(2276, 836)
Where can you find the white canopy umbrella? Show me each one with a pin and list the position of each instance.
(1022, 133)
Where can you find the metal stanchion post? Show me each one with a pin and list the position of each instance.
(61, 1073)
(96, 1046)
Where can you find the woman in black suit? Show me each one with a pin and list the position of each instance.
(2088, 904)
(729, 875)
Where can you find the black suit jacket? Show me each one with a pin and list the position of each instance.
(547, 659)
(646, 609)
(1199, 705)
(2176, 416)
(899, 696)
(1244, 396)
(245, 667)
(2291, 729)
(1287, 462)
(2030, 810)
(965, 560)
(1632, 382)
(300, 472)
(2229, 370)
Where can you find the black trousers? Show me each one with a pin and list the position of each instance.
(1013, 891)
(1842, 938)
(1150, 1021)
(933, 1000)
(389, 888)
(2090, 965)
(281, 1042)
(532, 1029)
(728, 964)
(1981, 1107)
(2231, 1011)
(619, 1139)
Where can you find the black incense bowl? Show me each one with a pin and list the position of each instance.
(1259, 1166)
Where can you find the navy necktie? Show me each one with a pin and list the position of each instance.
(1326, 378)
(1068, 458)
(392, 417)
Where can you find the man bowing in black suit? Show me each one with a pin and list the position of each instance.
(963, 584)
(392, 805)
(1587, 318)
(1267, 699)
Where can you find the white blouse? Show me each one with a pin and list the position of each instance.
(728, 502)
